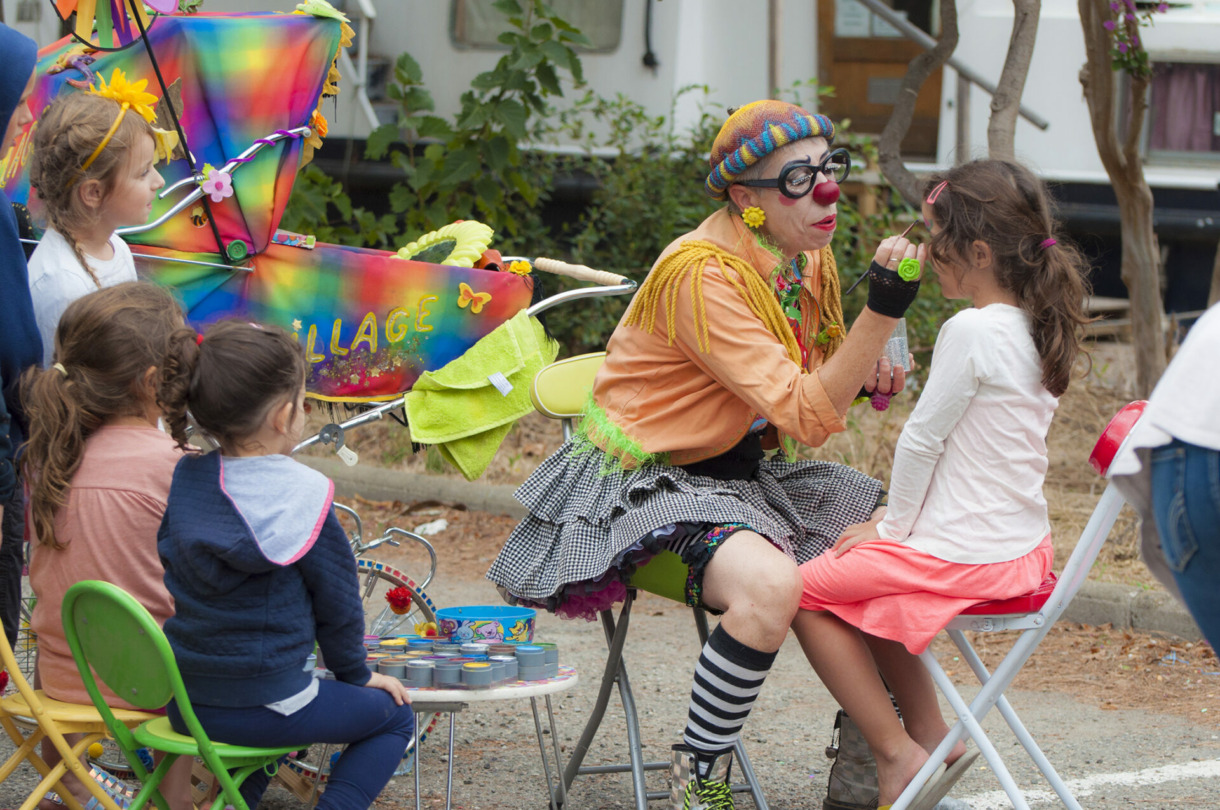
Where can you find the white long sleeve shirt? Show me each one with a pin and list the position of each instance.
(57, 279)
(971, 460)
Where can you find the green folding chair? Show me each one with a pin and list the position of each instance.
(112, 634)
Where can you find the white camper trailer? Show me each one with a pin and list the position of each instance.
(648, 50)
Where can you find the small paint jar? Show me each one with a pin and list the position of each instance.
(476, 674)
(447, 673)
(537, 673)
(499, 672)
(372, 642)
(552, 658)
(502, 649)
(420, 643)
(444, 655)
(419, 673)
(392, 645)
(474, 648)
(394, 666)
(531, 655)
(510, 666)
(446, 646)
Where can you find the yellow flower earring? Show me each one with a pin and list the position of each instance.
(753, 217)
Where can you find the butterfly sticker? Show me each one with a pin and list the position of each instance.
(469, 298)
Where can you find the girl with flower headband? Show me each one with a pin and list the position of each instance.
(735, 344)
(98, 470)
(255, 558)
(966, 520)
(93, 170)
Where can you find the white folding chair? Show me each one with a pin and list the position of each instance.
(1033, 614)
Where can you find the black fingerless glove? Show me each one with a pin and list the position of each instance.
(888, 294)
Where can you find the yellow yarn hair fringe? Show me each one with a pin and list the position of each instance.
(665, 281)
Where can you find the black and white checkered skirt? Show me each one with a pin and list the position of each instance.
(587, 515)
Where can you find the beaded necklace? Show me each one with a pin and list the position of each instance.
(787, 286)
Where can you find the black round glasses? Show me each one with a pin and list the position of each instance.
(797, 178)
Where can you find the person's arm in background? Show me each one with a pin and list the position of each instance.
(8, 466)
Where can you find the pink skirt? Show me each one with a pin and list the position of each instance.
(896, 592)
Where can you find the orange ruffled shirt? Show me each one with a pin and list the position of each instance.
(694, 405)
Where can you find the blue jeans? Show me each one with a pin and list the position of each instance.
(377, 732)
(1186, 504)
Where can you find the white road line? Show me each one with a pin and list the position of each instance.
(998, 800)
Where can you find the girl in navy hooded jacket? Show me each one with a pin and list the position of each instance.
(260, 569)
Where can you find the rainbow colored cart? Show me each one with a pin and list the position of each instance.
(251, 86)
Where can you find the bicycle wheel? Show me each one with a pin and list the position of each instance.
(376, 580)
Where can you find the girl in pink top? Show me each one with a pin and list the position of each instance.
(99, 471)
(966, 520)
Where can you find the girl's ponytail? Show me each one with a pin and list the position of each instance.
(1006, 206)
(59, 424)
(177, 372)
(104, 346)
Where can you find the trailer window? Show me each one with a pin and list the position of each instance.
(1184, 110)
(476, 24)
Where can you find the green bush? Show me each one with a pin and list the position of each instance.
(475, 166)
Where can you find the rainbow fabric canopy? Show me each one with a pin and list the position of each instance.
(370, 322)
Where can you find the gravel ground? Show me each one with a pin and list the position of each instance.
(497, 761)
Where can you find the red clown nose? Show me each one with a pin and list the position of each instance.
(826, 193)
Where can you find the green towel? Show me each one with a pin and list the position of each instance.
(460, 409)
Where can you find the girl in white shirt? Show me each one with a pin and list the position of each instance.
(966, 520)
(92, 168)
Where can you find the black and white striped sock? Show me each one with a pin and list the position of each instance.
(728, 678)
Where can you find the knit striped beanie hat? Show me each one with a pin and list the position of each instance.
(755, 131)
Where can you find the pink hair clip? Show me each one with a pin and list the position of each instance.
(198, 338)
(1048, 242)
(935, 195)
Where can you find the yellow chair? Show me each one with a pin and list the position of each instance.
(51, 719)
(560, 391)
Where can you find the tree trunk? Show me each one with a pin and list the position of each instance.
(1141, 262)
(890, 144)
(1214, 295)
(1002, 125)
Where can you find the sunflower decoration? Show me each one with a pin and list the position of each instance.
(458, 244)
(317, 122)
(127, 92)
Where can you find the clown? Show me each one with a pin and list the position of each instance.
(733, 346)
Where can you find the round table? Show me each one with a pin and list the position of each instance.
(451, 701)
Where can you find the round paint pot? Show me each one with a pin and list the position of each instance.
(502, 649)
(499, 672)
(530, 655)
(420, 643)
(447, 673)
(474, 648)
(392, 645)
(419, 673)
(537, 673)
(510, 666)
(394, 666)
(476, 674)
(446, 646)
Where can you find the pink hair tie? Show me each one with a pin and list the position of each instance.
(1047, 243)
(198, 339)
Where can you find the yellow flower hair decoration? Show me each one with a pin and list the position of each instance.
(520, 267)
(131, 94)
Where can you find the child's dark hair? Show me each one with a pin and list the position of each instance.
(68, 132)
(1004, 205)
(228, 380)
(105, 343)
